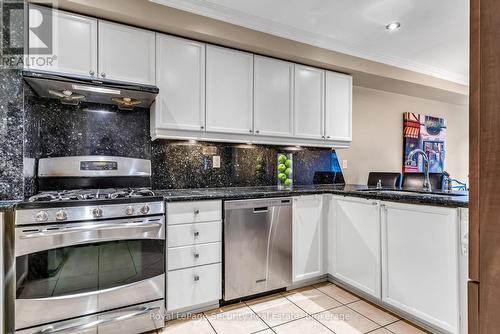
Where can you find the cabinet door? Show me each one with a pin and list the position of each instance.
(307, 238)
(273, 97)
(180, 76)
(309, 102)
(355, 243)
(338, 107)
(74, 42)
(126, 53)
(420, 262)
(190, 287)
(229, 91)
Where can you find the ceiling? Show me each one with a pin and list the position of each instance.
(433, 38)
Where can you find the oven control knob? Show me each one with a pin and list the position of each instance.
(97, 212)
(129, 211)
(42, 216)
(145, 209)
(61, 215)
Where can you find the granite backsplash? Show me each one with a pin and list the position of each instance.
(53, 129)
(189, 165)
(11, 100)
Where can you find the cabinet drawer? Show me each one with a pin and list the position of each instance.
(193, 212)
(197, 255)
(193, 234)
(193, 286)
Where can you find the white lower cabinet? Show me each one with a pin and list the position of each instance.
(307, 237)
(194, 255)
(187, 288)
(193, 234)
(354, 243)
(420, 262)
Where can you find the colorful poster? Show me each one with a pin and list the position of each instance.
(427, 133)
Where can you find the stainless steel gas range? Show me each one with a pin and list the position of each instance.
(88, 256)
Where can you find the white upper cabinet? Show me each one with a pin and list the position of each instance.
(126, 53)
(273, 97)
(180, 76)
(309, 102)
(420, 262)
(354, 243)
(307, 237)
(338, 107)
(229, 100)
(74, 42)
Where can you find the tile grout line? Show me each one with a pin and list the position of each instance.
(367, 317)
(360, 299)
(399, 319)
(335, 298)
(208, 320)
(311, 315)
(258, 316)
(286, 322)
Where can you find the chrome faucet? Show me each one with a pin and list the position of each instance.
(427, 182)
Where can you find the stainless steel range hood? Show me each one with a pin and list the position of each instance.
(74, 89)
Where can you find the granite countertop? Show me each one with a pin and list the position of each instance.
(235, 193)
(7, 205)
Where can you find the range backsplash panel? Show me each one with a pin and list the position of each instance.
(56, 130)
(190, 165)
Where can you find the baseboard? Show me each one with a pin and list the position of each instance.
(306, 282)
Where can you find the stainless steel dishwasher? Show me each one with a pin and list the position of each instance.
(257, 246)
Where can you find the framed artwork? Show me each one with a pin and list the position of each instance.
(427, 133)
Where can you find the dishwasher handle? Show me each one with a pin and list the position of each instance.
(262, 209)
(258, 205)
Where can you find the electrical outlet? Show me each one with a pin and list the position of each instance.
(216, 161)
(344, 164)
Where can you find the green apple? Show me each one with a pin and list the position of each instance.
(288, 182)
(288, 172)
(282, 159)
(282, 177)
(288, 163)
(281, 168)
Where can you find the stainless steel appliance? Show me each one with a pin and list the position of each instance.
(257, 246)
(88, 260)
(70, 89)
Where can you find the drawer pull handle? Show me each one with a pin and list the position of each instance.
(196, 278)
(196, 211)
(196, 255)
(196, 234)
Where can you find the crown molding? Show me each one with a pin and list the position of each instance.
(229, 15)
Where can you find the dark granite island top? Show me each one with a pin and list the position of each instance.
(235, 193)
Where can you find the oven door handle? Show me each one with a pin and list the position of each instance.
(92, 227)
(76, 329)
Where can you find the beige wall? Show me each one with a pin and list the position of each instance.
(377, 143)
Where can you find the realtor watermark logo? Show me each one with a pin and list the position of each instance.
(34, 47)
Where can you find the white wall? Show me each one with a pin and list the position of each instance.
(377, 143)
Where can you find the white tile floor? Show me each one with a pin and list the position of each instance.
(321, 308)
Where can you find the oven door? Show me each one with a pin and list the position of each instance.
(77, 269)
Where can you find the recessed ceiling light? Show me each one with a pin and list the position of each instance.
(393, 26)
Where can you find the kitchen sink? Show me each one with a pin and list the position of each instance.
(414, 192)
